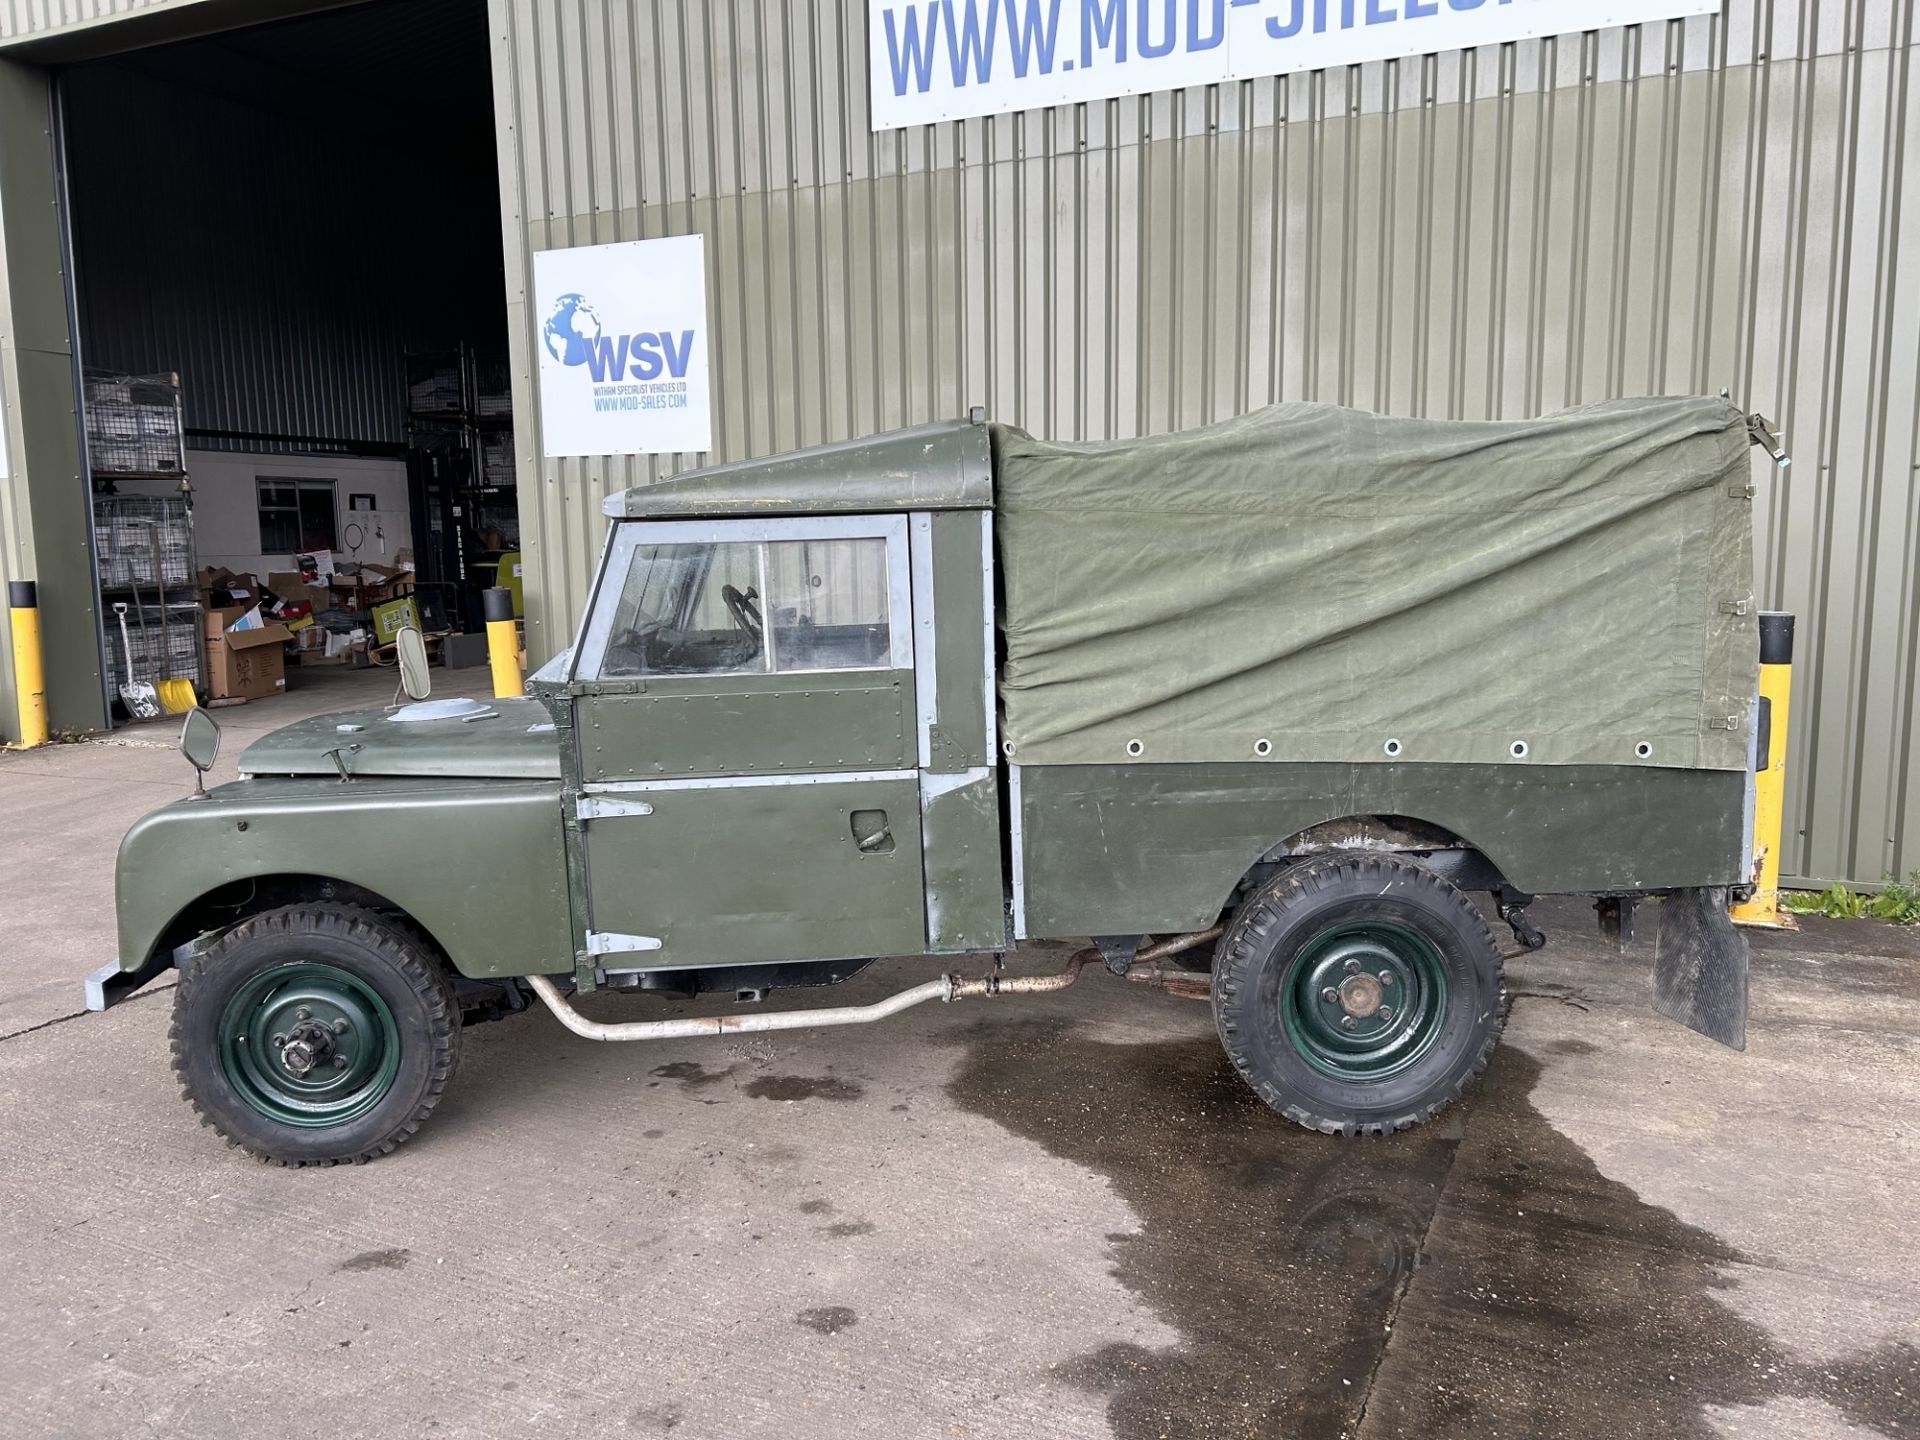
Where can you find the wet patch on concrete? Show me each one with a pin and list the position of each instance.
(816, 1207)
(803, 1087)
(847, 1229)
(1571, 1046)
(691, 1074)
(374, 1260)
(828, 1319)
(654, 1419)
(1478, 1276)
(1279, 1253)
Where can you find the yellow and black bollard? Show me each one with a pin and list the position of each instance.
(1770, 770)
(29, 674)
(503, 642)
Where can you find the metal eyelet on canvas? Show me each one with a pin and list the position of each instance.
(1263, 747)
(1518, 749)
(1643, 751)
(1392, 747)
(1134, 747)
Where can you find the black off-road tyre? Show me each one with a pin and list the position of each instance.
(364, 991)
(1319, 943)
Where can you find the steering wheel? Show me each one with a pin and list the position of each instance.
(745, 614)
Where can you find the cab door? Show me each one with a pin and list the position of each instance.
(744, 723)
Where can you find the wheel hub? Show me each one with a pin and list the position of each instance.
(1360, 995)
(309, 1044)
(1364, 999)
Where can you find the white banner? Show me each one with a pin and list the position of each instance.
(931, 60)
(623, 348)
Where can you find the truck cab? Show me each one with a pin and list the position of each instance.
(778, 724)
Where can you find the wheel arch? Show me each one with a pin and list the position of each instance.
(228, 904)
(1454, 856)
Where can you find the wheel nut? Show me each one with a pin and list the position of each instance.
(1386, 977)
(1330, 995)
(339, 1062)
(303, 1013)
(1386, 1013)
(1353, 967)
(339, 1027)
(1346, 1022)
(279, 1040)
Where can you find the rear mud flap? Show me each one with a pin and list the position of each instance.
(1700, 966)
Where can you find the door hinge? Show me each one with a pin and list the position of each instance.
(601, 807)
(606, 942)
(1736, 607)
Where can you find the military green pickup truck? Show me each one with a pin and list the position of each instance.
(1258, 710)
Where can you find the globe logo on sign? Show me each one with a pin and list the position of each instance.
(571, 330)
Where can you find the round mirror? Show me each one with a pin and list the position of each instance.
(410, 646)
(200, 740)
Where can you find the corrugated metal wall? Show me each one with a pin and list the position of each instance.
(32, 17)
(1679, 207)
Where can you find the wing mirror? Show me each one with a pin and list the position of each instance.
(200, 743)
(410, 646)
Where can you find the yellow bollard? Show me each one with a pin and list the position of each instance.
(1770, 779)
(503, 642)
(29, 674)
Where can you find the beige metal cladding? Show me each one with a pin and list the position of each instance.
(22, 18)
(1677, 207)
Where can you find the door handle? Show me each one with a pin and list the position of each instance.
(871, 833)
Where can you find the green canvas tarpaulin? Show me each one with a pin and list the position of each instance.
(1314, 583)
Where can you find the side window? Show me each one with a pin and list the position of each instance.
(807, 595)
(827, 603)
(689, 610)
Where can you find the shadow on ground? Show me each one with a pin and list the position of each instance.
(1477, 1277)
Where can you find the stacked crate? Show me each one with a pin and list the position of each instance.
(143, 548)
(135, 425)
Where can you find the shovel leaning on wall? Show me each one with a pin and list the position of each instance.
(140, 698)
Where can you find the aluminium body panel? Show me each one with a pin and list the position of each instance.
(1118, 849)
(747, 725)
(428, 846)
(761, 869)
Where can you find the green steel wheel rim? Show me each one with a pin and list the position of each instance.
(1364, 999)
(309, 1045)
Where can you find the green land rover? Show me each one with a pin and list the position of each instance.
(1258, 709)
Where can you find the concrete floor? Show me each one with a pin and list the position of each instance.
(1021, 1218)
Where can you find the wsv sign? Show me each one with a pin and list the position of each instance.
(933, 60)
(645, 356)
(607, 385)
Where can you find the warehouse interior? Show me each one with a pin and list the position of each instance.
(290, 304)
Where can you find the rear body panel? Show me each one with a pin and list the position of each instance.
(1121, 849)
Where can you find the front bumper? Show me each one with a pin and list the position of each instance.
(109, 985)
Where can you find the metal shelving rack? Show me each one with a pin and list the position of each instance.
(143, 544)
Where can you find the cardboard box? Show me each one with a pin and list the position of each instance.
(247, 664)
(244, 656)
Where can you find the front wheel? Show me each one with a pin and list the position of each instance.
(315, 1035)
(1358, 994)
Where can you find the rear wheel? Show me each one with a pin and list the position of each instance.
(316, 1034)
(1358, 994)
